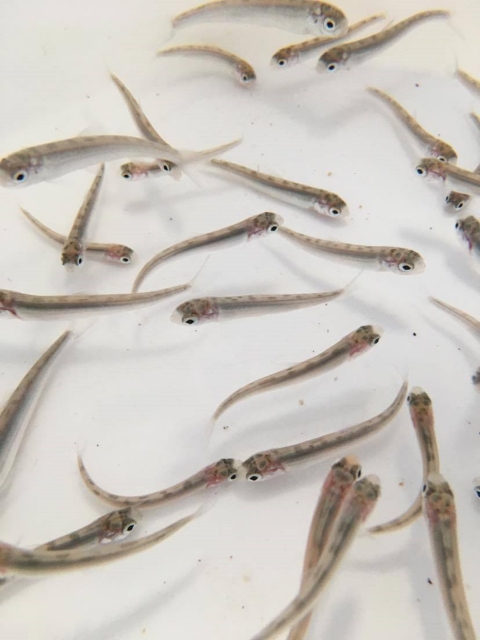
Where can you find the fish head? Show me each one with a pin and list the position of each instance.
(364, 338)
(432, 168)
(420, 406)
(195, 311)
(438, 498)
(262, 465)
(225, 470)
(333, 60)
(134, 171)
(72, 254)
(324, 18)
(7, 304)
(344, 473)
(443, 152)
(456, 201)
(245, 74)
(329, 204)
(402, 261)
(467, 228)
(285, 57)
(119, 524)
(119, 253)
(366, 492)
(20, 170)
(266, 222)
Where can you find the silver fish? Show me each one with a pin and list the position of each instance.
(338, 482)
(264, 464)
(73, 248)
(341, 56)
(242, 71)
(225, 470)
(23, 306)
(434, 146)
(117, 253)
(359, 503)
(18, 409)
(17, 561)
(250, 227)
(295, 53)
(395, 259)
(300, 195)
(441, 517)
(200, 310)
(353, 344)
(421, 413)
(297, 16)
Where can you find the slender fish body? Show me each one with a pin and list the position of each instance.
(351, 345)
(214, 308)
(225, 470)
(434, 146)
(421, 413)
(251, 227)
(338, 482)
(394, 259)
(242, 71)
(359, 503)
(468, 80)
(110, 252)
(300, 195)
(441, 517)
(73, 249)
(342, 56)
(295, 53)
(19, 407)
(17, 561)
(265, 464)
(25, 306)
(297, 16)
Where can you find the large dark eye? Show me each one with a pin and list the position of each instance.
(447, 199)
(130, 527)
(79, 261)
(245, 78)
(404, 266)
(332, 66)
(329, 24)
(190, 320)
(424, 488)
(233, 476)
(477, 491)
(409, 398)
(282, 62)
(166, 167)
(20, 176)
(273, 227)
(334, 211)
(460, 205)
(420, 170)
(376, 340)
(253, 477)
(457, 225)
(441, 158)
(125, 259)
(127, 175)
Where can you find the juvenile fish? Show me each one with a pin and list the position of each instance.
(435, 147)
(441, 517)
(264, 464)
(250, 227)
(134, 171)
(118, 253)
(468, 80)
(341, 56)
(295, 53)
(353, 344)
(469, 229)
(297, 16)
(17, 561)
(225, 470)
(15, 415)
(25, 306)
(300, 195)
(359, 503)
(242, 71)
(200, 310)
(338, 482)
(421, 413)
(456, 200)
(468, 320)
(395, 259)
(55, 159)
(73, 249)
(433, 168)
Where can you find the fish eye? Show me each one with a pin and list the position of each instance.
(460, 205)
(233, 476)
(79, 261)
(441, 158)
(125, 259)
(334, 211)
(20, 176)
(329, 24)
(424, 488)
(457, 225)
(376, 340)
(420, 170)
(245, 78)
(359, 474)
(273, 227)
(409, 397)
(253, 477)
(477, 491)
(129, 527)
(282, 62)
(447, 199)
(332, 66)
(190, 320)
(404, 266)
(127, 175)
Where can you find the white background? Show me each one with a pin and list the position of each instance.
(136, 392)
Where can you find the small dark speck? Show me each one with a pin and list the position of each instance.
(231, 557)
(225, 427)
(199, 560)
(431, 228)
(243, 607)
(170, 219)
(417, 85)
(88, 96)
(414, 334)
(429, 581)
(335, 379)
(98, 445)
